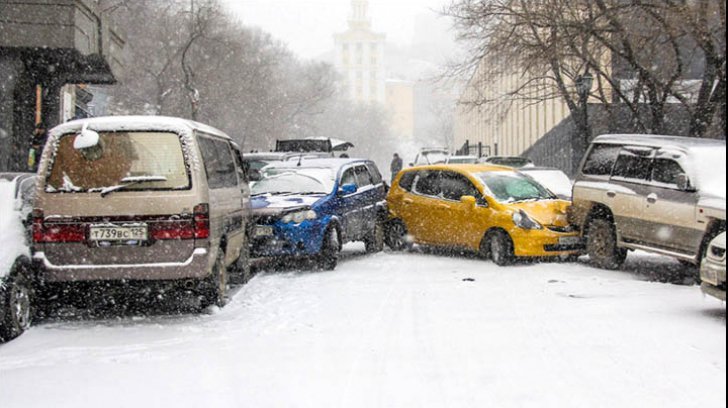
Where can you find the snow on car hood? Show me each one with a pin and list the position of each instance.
(276, 203)
(712, 206)
(12, 234)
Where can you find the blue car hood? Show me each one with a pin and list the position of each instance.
(272, 204)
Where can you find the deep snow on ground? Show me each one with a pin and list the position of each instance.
(395, 330)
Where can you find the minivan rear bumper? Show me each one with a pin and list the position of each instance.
(194, 267)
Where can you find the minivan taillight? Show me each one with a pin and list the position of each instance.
(55, 232)
(172, 230)
(202, 221)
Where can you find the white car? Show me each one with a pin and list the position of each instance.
(461, 160)
(16, 272)
(712, 269)
(552, 178)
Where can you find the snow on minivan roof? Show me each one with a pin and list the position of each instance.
(136, 123)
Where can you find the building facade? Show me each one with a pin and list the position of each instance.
(507, 126)
(45, 45)
(359, 57)
(401, 107)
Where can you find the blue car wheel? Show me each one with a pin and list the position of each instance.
(329, 255)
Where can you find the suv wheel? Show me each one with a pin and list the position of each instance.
(17, 304)
(374, 242)
(601, 245)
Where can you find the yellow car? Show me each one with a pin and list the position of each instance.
(494, 210)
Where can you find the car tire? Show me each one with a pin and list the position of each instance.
(375, 240)
(330, 247)
(240, 270)
(601, 245)
(17, 302)
(216, 285)
(500, 248)
(395, 236)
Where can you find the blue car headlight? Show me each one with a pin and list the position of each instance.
(298, 217)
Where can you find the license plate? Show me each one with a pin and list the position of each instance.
(118, 233)
(709, 275)
(570, 241)
(263, 231)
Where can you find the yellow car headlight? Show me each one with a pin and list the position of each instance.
(523, 220)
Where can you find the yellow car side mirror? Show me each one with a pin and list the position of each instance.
(469, 201)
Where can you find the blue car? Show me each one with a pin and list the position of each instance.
(310, 208)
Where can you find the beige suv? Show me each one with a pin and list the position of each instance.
(662, 194)
(148, 199)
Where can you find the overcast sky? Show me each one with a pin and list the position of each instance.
(308, 25)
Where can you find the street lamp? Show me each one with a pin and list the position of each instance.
(583, 85)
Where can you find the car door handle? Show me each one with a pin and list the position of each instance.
(611, 194)
(407, 201)
(652, 198)
(443, 206)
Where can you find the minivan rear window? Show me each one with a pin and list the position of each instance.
(124, 156)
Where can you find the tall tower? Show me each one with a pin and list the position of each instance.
(359, 15)
(360, 57)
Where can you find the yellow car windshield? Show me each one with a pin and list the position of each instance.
(511, 187)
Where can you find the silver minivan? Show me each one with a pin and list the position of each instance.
(137, 198)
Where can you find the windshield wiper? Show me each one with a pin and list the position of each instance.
(130, 181)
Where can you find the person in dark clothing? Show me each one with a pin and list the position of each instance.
(40, 135)
(396, 165)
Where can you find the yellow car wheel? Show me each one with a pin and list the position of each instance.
(396, 236)
(500, 247)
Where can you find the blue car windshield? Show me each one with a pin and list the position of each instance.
(295, 181)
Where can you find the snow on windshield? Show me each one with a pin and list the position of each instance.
(509, 187)
(12, 233)
(295, 181)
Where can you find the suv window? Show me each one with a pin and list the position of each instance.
(601, 159)
(665, 171)
(633, 164)
(219, 163)
(374, 172)
(455, 185)
(428, 183)
(363, 178)
(407, 179)
(349, 177)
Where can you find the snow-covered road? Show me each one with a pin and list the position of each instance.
(395, 330)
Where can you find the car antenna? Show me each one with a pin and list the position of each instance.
(300, 159)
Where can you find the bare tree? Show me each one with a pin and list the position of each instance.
(640, 52)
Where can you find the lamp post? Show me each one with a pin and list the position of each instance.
(583, 85)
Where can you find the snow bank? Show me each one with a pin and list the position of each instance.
(12, 236)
